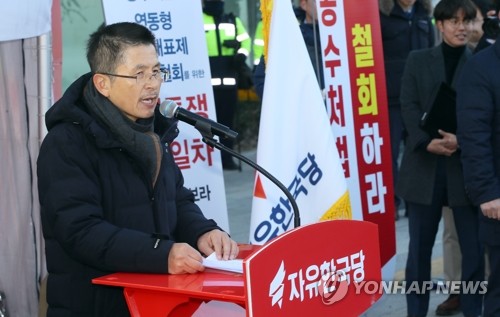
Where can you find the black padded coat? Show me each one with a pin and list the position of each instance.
(100, 212)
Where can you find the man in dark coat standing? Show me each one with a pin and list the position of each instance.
(478, 133)
(112, 198)
(431, 173)
(406, 25)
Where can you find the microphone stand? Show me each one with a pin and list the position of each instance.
(207, 137)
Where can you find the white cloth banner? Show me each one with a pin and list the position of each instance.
(23, 19)
(182, 49)
(296, 143)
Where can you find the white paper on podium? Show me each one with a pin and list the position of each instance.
(211, 261)
(216, 308)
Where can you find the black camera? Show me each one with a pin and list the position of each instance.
(491, 27)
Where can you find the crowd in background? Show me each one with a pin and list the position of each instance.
(426, 47)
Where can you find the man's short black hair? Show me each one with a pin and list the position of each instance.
(447, 9)
(105, 46)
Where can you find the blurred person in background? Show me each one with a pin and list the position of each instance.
(406, 25)
(491, 26)
(482, 9)
(307, 16)
(228, 45)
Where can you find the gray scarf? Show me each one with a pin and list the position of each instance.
(137, 137)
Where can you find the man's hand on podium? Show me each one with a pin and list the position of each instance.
(219, 242)
(183, 258)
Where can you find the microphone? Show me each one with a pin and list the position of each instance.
(170, 109)
(207, 127)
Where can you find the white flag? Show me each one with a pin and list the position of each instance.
(296, 143)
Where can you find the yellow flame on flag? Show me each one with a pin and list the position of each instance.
(266, 10)
(341, 209)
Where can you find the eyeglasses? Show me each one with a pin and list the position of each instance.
(456, 22)
(162, 75)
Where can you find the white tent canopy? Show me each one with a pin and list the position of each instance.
(24, 19)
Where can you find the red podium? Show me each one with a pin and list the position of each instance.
(316, 269)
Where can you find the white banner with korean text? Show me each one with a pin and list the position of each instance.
(182, 49)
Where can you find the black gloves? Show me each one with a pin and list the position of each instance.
(239, 59)
(231, 44)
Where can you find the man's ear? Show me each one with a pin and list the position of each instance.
(102, 83)
(440, 26)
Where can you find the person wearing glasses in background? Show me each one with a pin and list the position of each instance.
(112, 198)
(431, 173)
(477, 32)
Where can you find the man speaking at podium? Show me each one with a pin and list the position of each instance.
(112, 198)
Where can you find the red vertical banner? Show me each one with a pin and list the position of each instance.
(371, 125)
(357, 104)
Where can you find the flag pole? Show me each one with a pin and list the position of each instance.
(214, 143)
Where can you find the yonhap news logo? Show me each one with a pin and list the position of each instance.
(335, 287)
(398, 287)
(415, 287)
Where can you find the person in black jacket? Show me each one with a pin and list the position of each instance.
(483, 8)
(491, 25)
(478, 133)
(112, 198)
(406, 25)
(431, 173)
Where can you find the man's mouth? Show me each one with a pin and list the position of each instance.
(150, 100)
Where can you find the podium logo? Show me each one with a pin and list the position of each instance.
(308, 283)
(334, 287)
(277, 286)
